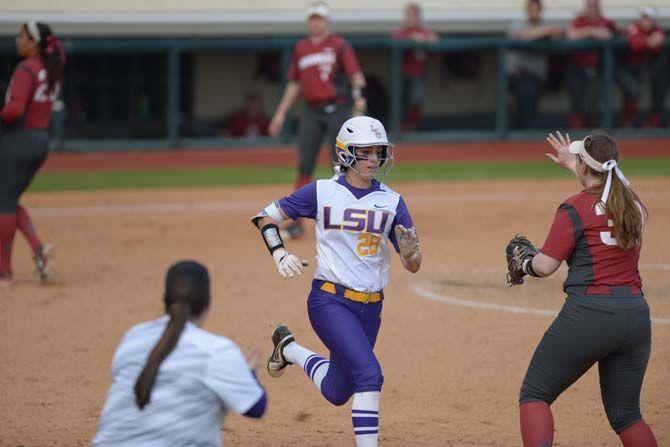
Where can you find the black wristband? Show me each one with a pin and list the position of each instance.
(528, 267)
(271, 236)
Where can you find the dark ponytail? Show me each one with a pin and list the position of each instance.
(186, 296)
(623, 206)
(52, 52)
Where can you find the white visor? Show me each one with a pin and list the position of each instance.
(578, 148)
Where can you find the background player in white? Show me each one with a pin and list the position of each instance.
(355, 217)
(173, 382)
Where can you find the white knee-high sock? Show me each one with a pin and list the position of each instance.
(365, 418)
(314, 366)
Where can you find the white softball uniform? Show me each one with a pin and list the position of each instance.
(203, 378)
(353, 228)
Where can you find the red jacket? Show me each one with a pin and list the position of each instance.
(590, 58)
(637, 42)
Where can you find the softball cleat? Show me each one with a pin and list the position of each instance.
(281, 336)
(41, 259)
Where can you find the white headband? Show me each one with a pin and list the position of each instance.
(34, 31)
(578, 148)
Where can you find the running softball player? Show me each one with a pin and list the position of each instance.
(355, 217)
(24, 143)
(172, 381)
(605, 318)
(322, 66)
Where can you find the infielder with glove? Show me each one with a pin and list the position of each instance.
(605, 318)
(355, 216)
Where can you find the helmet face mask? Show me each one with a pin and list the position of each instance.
(363, 132)
(354, 156)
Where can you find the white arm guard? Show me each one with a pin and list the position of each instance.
(273, 211)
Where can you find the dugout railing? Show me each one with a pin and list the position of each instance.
(174, 48)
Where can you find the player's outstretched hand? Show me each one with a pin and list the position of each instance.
(408, 241)
(563, 157)
(254, 358)
(288, 265)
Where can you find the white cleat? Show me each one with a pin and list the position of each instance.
(43, 263)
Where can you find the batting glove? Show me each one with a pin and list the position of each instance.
(408, 241)
(288, 265)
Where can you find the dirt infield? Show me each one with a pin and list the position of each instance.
(287, 156)
(453, 357)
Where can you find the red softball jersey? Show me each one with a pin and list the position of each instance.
(590, 58)
(584, 237)
(314, 66)
(28, 103)
(413, 61)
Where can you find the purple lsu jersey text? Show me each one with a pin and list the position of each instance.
(356, 220)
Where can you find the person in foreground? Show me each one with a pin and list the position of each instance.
(605, 318)
(356, 216)
(172, 381)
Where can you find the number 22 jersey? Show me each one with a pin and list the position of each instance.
(353, 228)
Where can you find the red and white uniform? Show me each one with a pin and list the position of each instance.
(637, 42)
(413, 61)
(590, 59)
(584, 237)
(314, 67)
(28, 101)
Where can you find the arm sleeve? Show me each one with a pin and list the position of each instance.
(349, 60)
(403, 218)
(301, 203)
(18, 95)
(230, 378)
(258, 409)
(293, 65)
(560, 242)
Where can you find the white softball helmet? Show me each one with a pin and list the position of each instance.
(363, 131)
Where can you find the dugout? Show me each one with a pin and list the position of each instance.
(155, 88)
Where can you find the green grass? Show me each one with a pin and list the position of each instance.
(634, 167)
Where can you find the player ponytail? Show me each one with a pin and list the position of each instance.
(623, 206)
(186, 296)
(52, 52)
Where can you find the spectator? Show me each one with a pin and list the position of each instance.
(527, 70)
(414, 65)
(250, 121)
(645, 42)
(583, 82)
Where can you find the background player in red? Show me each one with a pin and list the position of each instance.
(645, 41)
(605, 318)
(414, 65)
(324, 68)
(25, 116)
(583, 70)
